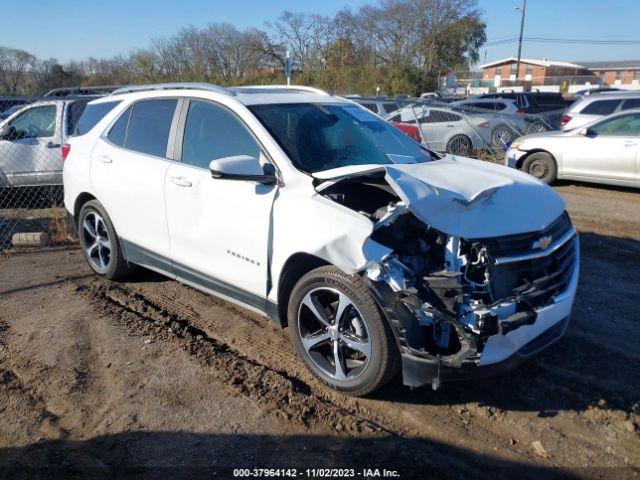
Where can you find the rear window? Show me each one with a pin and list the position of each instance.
(601, 107)
(550, 99)
(84, 117)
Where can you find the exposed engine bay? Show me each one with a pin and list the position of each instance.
(446, 295)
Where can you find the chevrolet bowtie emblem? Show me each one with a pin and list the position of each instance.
(542, 243)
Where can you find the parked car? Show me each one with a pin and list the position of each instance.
(548, 106)
(604, 151)
(305, 207)
(590, 91)
(590, 108)
(444, 130)
(31, 140)
(381, 105)
(508, 120)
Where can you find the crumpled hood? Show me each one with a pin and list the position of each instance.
(465, 197)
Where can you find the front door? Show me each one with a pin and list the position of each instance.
(30, 149)
(219, 229)
(608, 150)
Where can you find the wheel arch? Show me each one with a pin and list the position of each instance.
(294, 268)
(537, 150)
(81, 199)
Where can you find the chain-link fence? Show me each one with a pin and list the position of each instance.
(32, 133)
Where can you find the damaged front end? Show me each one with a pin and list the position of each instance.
(461, 306)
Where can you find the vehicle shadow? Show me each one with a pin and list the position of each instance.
(594, 365)
(594, 186)
(154, 455)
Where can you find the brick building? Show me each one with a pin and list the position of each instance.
(621, 72)
(537, 72)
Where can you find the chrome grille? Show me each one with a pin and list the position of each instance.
(536, 281)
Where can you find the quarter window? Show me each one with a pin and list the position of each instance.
(213, 132)
(631, 103)
(118, 132)
(149, 126)
(35, 122)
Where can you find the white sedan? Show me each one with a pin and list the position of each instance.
(604, 151)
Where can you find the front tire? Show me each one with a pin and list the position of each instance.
(100, 243)
(542, 166)
(339, 332)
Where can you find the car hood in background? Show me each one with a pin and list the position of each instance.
(464, 197)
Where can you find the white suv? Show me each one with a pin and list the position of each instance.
(377, 253)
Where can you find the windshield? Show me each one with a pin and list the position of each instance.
(320, 137)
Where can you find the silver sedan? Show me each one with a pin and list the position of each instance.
(604, 151)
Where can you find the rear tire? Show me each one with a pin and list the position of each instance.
(100, 243)
(459, 145)
(354, 353)
(502, 135)
(542, 166)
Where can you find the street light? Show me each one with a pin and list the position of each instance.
(523, 11)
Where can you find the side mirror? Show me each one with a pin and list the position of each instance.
(243, 167)
(586, 132)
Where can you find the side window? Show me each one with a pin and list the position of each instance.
(621, 126)
(391, 107)
(74, 112)
(35, 122)
(631, 103)
(601, 107)
(149, 126)
(370, 106)
(118, 132)
(212, 131)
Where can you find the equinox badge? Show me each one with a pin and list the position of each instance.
(542, 242)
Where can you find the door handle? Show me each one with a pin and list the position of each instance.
(180, 181)
(630, 143)
(105, 159)
(53, 145)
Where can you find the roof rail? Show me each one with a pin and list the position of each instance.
(173, 86)
(81, 90)
(302, 88)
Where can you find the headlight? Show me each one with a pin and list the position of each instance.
(516, 144)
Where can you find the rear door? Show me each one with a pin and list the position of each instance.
(608, 151)
(30, 151)
(128, 167)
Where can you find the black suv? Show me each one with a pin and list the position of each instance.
(533, 102)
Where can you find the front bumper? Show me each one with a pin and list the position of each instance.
(512, 156)
(502, 353)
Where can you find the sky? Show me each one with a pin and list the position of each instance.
(75, 30)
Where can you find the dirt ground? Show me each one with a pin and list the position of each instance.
(148, 378)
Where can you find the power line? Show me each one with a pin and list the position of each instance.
(580, 41)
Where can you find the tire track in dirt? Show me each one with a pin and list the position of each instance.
(474, 421)
(276, 391)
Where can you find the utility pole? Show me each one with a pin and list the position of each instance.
(522, 11)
